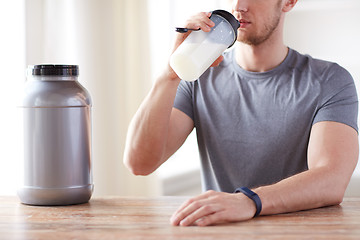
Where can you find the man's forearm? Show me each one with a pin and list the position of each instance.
(310, 189)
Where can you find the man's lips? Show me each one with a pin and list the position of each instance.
(244, 23)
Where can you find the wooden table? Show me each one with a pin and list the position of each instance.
(148, 218)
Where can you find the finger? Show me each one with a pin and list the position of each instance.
(185, 209)
(202, 196)
(202, 21)
(201, 213)
(190, 206)
(211, 219)
(199, 21)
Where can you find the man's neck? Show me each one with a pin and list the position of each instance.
(262, 57)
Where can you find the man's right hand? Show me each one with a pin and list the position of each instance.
(199, 21)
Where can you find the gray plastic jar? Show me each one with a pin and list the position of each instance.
(57, 137)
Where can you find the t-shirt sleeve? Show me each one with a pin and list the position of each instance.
(183, 100)
(339, 100)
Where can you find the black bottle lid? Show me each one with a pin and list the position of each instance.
(55, 70)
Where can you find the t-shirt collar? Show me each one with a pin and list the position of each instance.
(266, 74)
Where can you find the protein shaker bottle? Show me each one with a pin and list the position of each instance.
(200, 49)
(57, 137)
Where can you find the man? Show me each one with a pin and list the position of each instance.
(267, 118)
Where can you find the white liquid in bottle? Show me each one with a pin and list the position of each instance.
(191, 60)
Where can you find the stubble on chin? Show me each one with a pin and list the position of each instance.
(257, 38)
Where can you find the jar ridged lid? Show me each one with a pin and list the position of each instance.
(54, 70)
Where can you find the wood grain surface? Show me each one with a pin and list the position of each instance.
(148, 218)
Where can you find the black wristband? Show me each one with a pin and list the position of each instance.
(253, 196)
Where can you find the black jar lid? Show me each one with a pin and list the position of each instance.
(55, 70)
(231, 19)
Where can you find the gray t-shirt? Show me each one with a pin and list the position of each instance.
(253, 128)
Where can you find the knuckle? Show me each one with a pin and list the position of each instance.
(210, 192)
(196, 204)
(190, 201)
(216, 198)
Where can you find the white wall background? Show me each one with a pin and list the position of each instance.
(12, 72)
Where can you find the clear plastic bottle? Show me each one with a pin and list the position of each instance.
(200, 49)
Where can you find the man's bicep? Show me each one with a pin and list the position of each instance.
(181, 125)
(333, 145)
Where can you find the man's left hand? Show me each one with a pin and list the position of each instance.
(212, 208)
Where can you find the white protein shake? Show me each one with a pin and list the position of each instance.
(191, 60)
